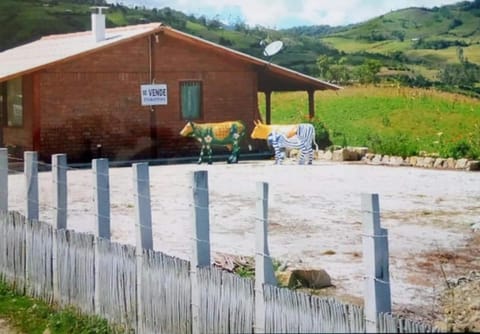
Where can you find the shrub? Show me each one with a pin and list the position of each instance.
(322, 137)
(398, 144)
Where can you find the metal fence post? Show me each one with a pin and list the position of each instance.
(3, 179)
(31, 178)
(201, 242)
(264, 273)
(375, 257)
(102, 216)
(143, 221)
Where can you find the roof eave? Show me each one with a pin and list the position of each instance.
(79, 55)
(315, 84)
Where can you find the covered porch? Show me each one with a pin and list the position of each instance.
(273, 78)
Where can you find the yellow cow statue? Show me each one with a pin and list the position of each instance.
(262, 131)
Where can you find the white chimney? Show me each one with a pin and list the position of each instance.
(98, 23)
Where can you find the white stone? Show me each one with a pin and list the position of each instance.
(461, 164)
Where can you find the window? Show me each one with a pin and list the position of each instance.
(191, 99)
(11, 103)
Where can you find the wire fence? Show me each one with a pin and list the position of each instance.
(81, 214)
(100, 276)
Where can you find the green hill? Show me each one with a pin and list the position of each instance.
(417, 31)
(414, 46)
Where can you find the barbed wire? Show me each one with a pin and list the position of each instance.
(87, 208)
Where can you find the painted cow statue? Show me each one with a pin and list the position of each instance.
(262, 131)
(227, 134)
(280, 137)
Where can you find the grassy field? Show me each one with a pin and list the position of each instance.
(390, 120)
(350, 45)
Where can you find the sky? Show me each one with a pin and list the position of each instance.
(281, 14)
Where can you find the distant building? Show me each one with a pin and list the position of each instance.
(126, 92)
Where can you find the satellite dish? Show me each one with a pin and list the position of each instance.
(273, 48)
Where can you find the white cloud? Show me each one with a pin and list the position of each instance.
(285, 13)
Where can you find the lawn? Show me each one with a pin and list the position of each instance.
(395, 120)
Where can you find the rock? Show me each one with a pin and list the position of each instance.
(368, 156)
(318, 155)
(328, 155)
(428, 162)
(339, 155)
(396, 161)
(475, 306)
(305, 278)
(449, 163)
(461, 164)
(293, 153)
(420, 162)
(438, 163)
(386, 159)
(377, 159)
(473, 165)
(359, 151)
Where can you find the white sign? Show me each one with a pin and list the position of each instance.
(153, 95)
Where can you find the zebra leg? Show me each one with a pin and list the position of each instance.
(278, 154)
(301, 158)
(310, 156)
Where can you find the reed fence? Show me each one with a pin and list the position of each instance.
(151, 292)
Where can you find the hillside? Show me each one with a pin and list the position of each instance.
(414, 46)
(417, 32)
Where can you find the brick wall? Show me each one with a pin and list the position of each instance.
(91, 106)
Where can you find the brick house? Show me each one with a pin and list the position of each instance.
(80, 93)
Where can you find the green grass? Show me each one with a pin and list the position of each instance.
(28, 315)
(401, 121)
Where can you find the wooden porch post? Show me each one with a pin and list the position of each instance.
(268, 107)
(36, 134)
(311, 104)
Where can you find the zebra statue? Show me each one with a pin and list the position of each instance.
(302, 140)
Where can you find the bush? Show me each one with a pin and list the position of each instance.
(322, 137)
(398, 144)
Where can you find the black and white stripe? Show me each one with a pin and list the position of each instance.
(303, 141)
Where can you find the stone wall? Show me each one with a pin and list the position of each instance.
(362, 154)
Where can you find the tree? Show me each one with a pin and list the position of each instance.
(323, 64)
(367, 72)
(462, 74)
(338, 73)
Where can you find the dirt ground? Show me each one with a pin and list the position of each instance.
(315, 219)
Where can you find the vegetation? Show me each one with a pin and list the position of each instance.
(415, 47)
(28, 315)
(390, 120)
